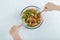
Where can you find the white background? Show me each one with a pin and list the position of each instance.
(9, 16)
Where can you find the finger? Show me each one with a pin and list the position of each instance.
(19, 25)
(13, 27)
(46, 9)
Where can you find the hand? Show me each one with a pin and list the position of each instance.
(14, 32)
(50, 6)
(14, 29)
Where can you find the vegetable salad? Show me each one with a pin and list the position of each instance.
(32, 17)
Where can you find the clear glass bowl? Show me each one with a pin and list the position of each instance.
(24, 24)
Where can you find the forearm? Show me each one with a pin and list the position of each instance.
(16, 36)
(57, 8)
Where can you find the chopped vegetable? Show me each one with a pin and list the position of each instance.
(32, 17)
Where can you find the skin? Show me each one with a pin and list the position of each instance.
(14, 30)
(50, 6)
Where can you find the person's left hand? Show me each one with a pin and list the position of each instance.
(14, 32)
(14, 29)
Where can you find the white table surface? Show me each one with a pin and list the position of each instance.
(9, 16)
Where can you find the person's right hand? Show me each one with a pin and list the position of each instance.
(50, 6)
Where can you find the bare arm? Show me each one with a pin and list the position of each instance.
(50, 6)
(57, 8)
(14, 32)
